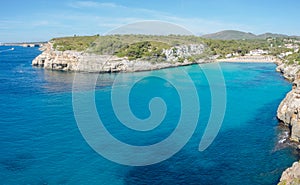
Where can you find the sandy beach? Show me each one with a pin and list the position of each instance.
(262, 59)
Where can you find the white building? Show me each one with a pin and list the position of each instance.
(228, 55)
(292, 46)
(258, 52)
(282, 55)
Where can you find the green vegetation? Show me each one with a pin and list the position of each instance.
(277, 51)
(77, 43)
(110, 44)
(223, 47)
(150, 47)
(275, 46)
(135, 46)
(293, 58)
(145, 49)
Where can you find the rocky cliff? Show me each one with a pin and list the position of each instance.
(289, 109)
(288, 113)
(289, 72)
(291, 176)
(88, 62)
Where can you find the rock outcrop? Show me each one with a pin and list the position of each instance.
(289, 72)
(184, 51)
(291, 176)
(57, 60)
(289, 111)
(88, 62)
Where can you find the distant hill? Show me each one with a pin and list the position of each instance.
(239, 35)
(230, 35)
(274, 35)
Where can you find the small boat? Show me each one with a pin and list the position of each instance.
(11, 49)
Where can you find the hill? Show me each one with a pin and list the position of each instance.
(230, 35)
(273, 35)
(239, 35)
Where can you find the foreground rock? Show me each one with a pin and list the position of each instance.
(87, 62)
(291, 176)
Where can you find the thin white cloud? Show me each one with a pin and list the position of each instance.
(83, 18)
(92, 4)
(196, 25)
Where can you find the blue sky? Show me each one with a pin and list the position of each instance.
(42, 20)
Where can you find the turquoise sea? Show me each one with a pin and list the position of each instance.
(40, 142)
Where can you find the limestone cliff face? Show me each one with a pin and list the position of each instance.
(51, 59)
(184, 51)
(291, 176)
(289, 111)
(289, 72)
(87, 62)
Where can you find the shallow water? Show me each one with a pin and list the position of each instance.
(41, 143)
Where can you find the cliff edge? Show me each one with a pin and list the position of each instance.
(288, 113)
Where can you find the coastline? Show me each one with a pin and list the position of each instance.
(288, 114)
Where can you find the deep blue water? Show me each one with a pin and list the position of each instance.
(41, 143)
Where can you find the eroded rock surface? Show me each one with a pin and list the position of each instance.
(289, 72)
(291, 176)
(289, 114)
(289, 111)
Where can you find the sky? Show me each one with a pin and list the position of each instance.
(41, 20)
